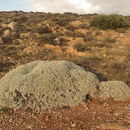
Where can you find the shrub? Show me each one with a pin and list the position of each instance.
(7, 40)
(74, 34)
(70, 27)
(117, 67)
(109, 21)
(81, 47)
(7, 110)
(88, 38)
(109, 39)
(63, 41)
(128, 55)
(41, 29)
(47, 38)
(121, 30)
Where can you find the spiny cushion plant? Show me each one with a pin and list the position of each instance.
(41, 85)
(46, 84)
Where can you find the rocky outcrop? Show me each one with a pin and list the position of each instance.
(12, 26)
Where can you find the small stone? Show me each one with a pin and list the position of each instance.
(73, 125)
(116, 114)
(105, 104)
(29, 127)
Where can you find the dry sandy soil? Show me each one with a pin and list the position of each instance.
(93, 115)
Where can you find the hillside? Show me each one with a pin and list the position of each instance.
(29, 36)
(33, 36)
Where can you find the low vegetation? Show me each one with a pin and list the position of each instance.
(109, 21)
(90, 40)
(81, 47)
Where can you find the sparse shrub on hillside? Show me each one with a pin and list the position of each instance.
(121, 30)
(74, 34)
(46, 52)
(102, 44)
(1, 31)
(7, 40)
(117, 67)
(62, 22)
(63, 19)
(6, 110)
(70, 27)
(90, 63)
(63, 41)
(109, 21)
(128, 55)
(81, 47)
(41, 29)
(20, 19)
(84, 26)
(128, 18)
(88, 38)
(22, 28)
(109, 39)
(47, 38)
(15, 35)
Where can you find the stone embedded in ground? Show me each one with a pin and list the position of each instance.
(115, 90)
(43, 85)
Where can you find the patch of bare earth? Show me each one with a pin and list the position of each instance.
(89, 116)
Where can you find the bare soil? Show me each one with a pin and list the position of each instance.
(93, 115)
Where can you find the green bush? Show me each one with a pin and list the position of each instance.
(112, 21)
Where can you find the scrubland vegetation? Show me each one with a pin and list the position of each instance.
(100, 43)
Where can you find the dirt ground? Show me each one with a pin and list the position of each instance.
(93, 115)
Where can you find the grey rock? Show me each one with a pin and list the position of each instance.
(116, 90)
(43, 85)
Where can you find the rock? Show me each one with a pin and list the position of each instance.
(7, 33)
(43, 85)
(115, 90)
(13, 26)
(4, 25)
(57, 41)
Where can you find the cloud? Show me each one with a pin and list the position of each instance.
(76, 6)
(112, 6)
(82, 6)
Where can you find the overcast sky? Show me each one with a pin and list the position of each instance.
(76, 6)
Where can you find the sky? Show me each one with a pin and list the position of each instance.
(75, 6)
